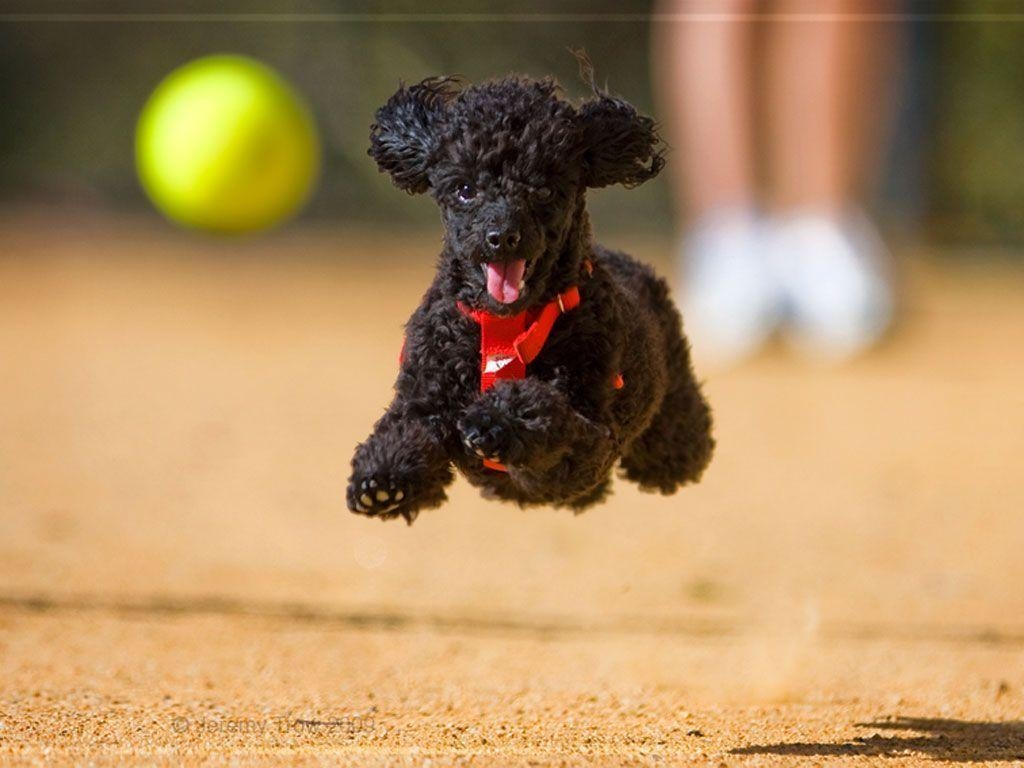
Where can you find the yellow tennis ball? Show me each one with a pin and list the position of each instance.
(225, 144)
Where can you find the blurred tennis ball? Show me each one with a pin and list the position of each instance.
(225, 144)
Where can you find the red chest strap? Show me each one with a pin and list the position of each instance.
(508, 344)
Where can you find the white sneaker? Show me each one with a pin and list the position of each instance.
(834, 273)
(730, 301)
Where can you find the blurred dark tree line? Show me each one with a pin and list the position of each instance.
(975, 139)
(71, 90)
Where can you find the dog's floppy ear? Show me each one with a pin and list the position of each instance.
(404, 132)
(620, 146)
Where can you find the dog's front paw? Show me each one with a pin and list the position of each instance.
(525, 424)
(485, 440)
(381, 497)
(490, 434)
(398, 471)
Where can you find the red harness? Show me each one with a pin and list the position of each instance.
(509, 344)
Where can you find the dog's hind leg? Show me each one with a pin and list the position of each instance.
(677, 445)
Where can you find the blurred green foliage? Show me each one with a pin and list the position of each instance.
(977, 148)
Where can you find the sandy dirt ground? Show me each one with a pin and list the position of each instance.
(179, 579)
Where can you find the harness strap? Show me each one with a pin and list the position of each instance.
(508, 344)
(530, 342)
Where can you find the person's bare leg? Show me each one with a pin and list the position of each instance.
(703, 67)
(821, 87)
(822, 81)
(702, 75)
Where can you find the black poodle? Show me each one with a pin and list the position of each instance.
(537, 359)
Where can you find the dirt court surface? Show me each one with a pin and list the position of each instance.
(180, 581)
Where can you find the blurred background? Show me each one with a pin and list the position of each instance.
(68, 119)
(178, 410)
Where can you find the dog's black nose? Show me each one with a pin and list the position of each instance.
(497, 240)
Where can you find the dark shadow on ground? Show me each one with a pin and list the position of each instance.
(399, 620)
(952, 740)
(396, 620)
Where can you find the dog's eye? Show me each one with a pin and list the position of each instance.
(466, 192)
(542, 193)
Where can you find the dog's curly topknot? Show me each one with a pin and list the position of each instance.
(613, 141)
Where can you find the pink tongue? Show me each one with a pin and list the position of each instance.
(503, 280)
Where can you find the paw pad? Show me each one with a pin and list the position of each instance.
(373, 496)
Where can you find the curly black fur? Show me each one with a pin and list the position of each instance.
(514, 156)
